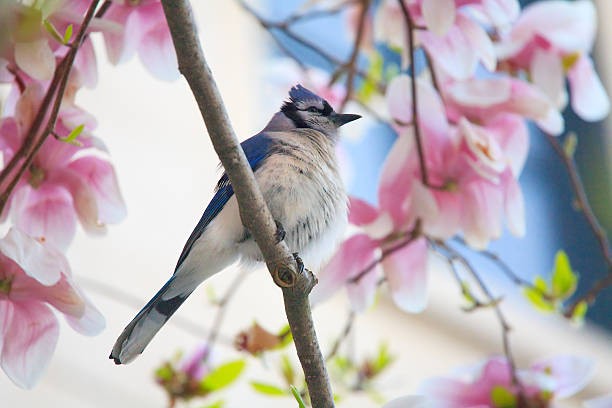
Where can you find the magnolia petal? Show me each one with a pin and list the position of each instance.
(570, 374)
(47, 213)
(406, 272)
(501, 12)
(36, 59)
(482, 211)
(122, 45)
(353, 256)
(449, 218)
(100, 177)
(588, 95)
(86, 64)
(395, 184)
(157, 53)
(552, 122)
(91, 322)
(480, 93)
(514, 205)
(31, 339)
(513, 136)
(479, 40)
(361, 212)
(36, 261)
(380, 227)
(439, 15)
(453, 53)
(547, 74)
(362, 293)
(399, 100)
(83, 199)
(10, 139)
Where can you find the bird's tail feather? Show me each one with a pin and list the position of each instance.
(141, 330)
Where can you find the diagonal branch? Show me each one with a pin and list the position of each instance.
(295, 283)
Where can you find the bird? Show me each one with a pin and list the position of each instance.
(294, 162)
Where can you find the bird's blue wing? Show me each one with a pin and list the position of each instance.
(256, 149)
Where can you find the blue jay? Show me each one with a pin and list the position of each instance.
(295, 165)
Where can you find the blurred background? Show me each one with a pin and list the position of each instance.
(167, 169)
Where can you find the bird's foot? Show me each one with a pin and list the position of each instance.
(280, 232)
(299, 262)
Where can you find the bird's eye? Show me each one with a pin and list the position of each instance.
(312, 109)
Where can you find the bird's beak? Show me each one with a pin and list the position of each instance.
(343, 118)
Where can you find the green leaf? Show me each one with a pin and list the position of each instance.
(564, 280)
(298, 397)
(286, 337)
(223, 375)
(467, 293)
(53, 31)
(268, 389)
(540, 284)
(383, 359)
(580, 311)
(216, 404)
(502, 398)
(71, 138)
(67, 34)
(537, 300)
(287, 369)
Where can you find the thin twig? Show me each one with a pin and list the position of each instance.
(222, 305)
(454, 256)
(348, 326)
(404, 240)
(56, 89)
(590, 296)
(284, 27)
(582, 200)
(415, 113)
(351, 65)
(309, 15)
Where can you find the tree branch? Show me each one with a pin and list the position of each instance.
(295, 283)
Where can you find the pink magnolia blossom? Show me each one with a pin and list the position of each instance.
(552, 41)
(60, 185)
(543, 382)
(472, 167)
(453, 38)
(33, 278)
(145, 31)
(384, 230)
(193, 364)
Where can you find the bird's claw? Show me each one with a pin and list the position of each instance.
(280, 232)
(299, 262)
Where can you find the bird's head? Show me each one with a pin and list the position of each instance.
(308, 110)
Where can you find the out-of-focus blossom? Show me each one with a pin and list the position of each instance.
(486, 385)
(146, 32)
(60, 186)
(383, 230)
(256, 339)
(552, 41)
(33, 278)
(473, 168)
(451, 35)
(605, 401)
(194, 365)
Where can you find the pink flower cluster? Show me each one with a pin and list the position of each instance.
(494, 67)
(490, 385)
(70, 179)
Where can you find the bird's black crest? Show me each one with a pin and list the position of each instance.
(299, 99)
